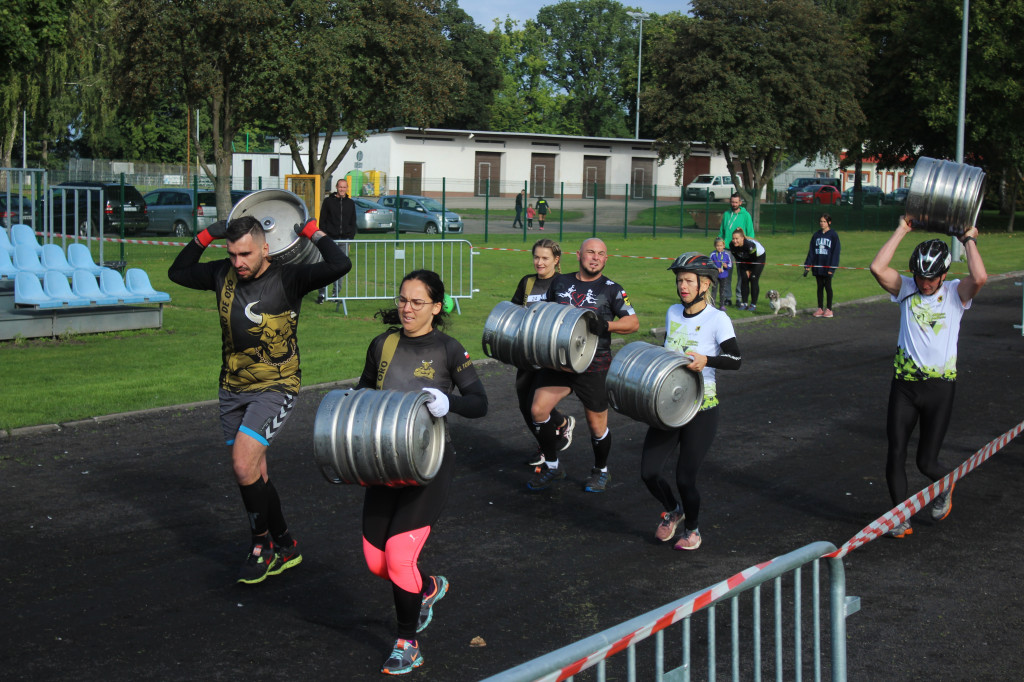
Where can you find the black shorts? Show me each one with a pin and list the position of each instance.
(588, 387)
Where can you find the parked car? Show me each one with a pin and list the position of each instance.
(798, 184)
(872, 195)
(422, 214)
(170, 211)
(372, 217)
(817, 194)
(710, 187)
(19, 210)
(92, 198)
(897, 196)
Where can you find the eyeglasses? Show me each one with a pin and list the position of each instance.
(416, 303)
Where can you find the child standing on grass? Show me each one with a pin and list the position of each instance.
(723, 284)
(529, 216)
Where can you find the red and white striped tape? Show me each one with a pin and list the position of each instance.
(903, 511)
(118, 240)
(688, 608)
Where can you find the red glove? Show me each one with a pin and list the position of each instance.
(308, 231)
(215, 231)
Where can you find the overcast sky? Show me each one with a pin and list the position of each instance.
(484, 11)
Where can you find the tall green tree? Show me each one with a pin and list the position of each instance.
(526, 102)
(207, 54)
(476, 51)
(357, 66)
(587, 44)
(757, 80)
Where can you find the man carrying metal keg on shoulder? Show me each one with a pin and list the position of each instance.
(706, 334)
(587, 288)
(924, 380)
(258, 303)
(415, 355)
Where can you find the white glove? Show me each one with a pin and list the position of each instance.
(438, 403)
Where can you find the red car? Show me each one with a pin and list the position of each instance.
(817, 194)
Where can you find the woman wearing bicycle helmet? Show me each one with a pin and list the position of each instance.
(694, 327)
(924, 380)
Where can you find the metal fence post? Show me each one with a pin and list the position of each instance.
(195, 203)
(625, 219)
(593, 231)
(561, 209)
(444, 213)
(487, 205)
(120, 212)
(681, 215)
(398, 203)
(654, 214)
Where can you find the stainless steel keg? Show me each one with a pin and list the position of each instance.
(651, 384)
(945, 196)
(279, 211)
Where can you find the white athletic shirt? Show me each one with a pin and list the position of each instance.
(929, 330)
(702, 333)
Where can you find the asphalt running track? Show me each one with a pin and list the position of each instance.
(123, 535)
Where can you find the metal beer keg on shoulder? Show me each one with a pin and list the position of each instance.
(651, 384)
(945, 196)
(373, 437)
(279, 211)
(550, 335)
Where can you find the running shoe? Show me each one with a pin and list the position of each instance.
(751, 308)
(667, 528)
(597, 481)
(943, 504)
(828, 313)
(439, 589)
(545, 477)
(287, 557)
(901, 531)
(536, 459)
(566, 434)
(258, 564)
(690, 539)
(819, 313)
(404, 657)
(741, 306)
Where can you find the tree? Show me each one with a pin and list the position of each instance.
(207, 54)
(587, 43)
(757, 80)
(362, 65)
(476, 51)
(526, 102)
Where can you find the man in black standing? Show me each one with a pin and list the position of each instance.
(520, 198)
(338, 221)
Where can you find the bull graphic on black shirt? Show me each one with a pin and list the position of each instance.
(273, 359)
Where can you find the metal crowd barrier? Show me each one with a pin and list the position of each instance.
(594, 651)
(378, 267)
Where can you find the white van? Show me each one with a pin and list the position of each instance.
(710, 187)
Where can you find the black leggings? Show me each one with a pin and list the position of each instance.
(693, 441)
(824, 286)
(392, 512)
(525, 389)
(750, 274)
(931, 401)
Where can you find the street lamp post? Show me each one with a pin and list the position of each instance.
(639, 16)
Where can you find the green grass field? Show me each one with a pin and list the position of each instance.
(76, 377)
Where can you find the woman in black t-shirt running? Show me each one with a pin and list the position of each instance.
(398, 520)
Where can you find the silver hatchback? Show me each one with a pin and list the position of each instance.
(422, 214)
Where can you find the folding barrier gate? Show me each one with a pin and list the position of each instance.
(378, 267)
(566, 662)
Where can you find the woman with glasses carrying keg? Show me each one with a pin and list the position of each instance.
(694, 327)
(414, 355)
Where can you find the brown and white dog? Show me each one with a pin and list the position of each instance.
(778, 303)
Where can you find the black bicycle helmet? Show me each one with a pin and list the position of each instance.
(694, 262)
(930, 259)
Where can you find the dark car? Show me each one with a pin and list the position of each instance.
(817, 194)
(873, 196)
(78, 205)
(897, 196)
(15, 209)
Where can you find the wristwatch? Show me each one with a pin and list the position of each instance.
(968, 239)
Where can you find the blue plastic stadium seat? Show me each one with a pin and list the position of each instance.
(137, 282)
(54, 259)
(84, 285)
(80, 258)
(7, 269)
(23, 234)
(111, 284)
(29, 291)
(56, 286)
(5, 241)
(27, 260)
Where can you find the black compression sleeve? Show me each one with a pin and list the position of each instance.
(729, 358)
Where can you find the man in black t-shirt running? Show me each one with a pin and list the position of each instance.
(588, 288)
